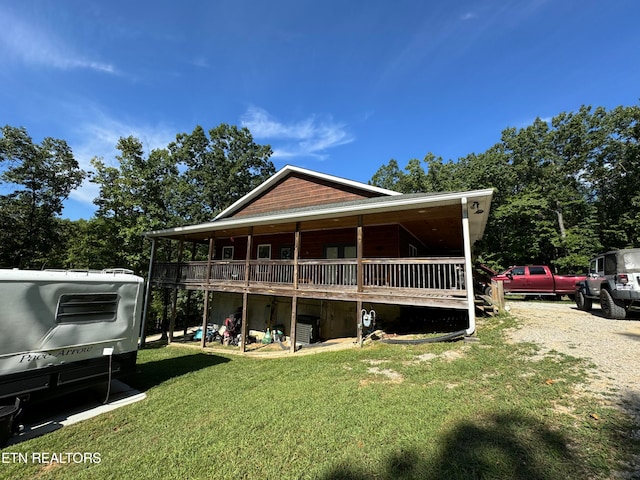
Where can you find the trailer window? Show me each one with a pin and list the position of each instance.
(83, 308)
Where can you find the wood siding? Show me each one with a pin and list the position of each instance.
(297, 191)
(379, 242)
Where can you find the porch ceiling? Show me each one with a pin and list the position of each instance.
(435, 219)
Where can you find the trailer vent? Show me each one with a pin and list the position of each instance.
(85, 308)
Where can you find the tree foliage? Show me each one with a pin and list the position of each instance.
(564, 189)
(218, 169)
(39, 178)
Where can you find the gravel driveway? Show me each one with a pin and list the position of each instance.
(612, 345)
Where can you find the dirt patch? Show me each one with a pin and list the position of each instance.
(611, 345)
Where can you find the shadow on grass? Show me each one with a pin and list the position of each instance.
(506, 446)
(153, 373)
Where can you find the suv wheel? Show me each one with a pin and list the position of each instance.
(583, 303)
(610, 307)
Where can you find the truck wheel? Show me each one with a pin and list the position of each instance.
(583, 303)
(612, 308)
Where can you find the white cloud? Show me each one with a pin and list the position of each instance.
(310, 137)
(35, 46)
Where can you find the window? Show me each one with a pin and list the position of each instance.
(340, 251)
(85, 308)
(517, 271)
(264, 251)
(286, 253)
(537, 271)
(227, 253)
(413, 251)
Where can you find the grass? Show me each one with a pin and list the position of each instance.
(454, 411)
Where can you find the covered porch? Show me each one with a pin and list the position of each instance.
(405, 250)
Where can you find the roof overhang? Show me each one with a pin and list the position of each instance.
(478, 202)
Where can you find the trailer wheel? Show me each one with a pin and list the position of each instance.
(611, 307)
(582, 302)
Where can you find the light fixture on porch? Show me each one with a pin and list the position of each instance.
(476, 206)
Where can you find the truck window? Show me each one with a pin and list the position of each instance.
(83, 308)
(599, 265)
(537, 271)
(517, 271)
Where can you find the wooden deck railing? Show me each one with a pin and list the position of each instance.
(440, 275)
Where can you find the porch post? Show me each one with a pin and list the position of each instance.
(188, 312)
(359, 249)
(247, 269)
(245, 301)
(294, 299)
(468, 271)
(359, 320)
(147, 295)
(205, 313)
(294, 315)
(174, 298)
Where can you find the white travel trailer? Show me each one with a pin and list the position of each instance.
(64, 330)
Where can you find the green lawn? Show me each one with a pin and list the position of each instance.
(453, 411)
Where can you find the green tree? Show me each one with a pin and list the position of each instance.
(218, 169)
(136, 196)
(39, 178)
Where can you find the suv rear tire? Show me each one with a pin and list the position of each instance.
(612, 308)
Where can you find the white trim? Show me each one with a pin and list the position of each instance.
(284, 171)
(468, 271)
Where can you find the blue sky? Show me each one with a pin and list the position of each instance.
(340, 87)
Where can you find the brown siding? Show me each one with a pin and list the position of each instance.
(301, 191)
(378, 242)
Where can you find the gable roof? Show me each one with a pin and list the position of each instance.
(289, 170)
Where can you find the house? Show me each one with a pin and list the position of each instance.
(311, 251)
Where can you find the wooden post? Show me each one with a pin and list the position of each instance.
(294, 299)
(188, 310)
(497, 294)
(174, 298)
(296, 255)
(205, 313)
(244, 329)
(359, 321)
(247, 262)
(359, 250)
(294, 319)
(147, 295)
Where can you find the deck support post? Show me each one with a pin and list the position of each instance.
(244, 328)
(359, 320)
(205, 311)
(294, 298)
(147, 295)
(174, 297)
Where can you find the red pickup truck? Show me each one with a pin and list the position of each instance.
(538, 280)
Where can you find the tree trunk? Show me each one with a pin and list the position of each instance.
(563, 232)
